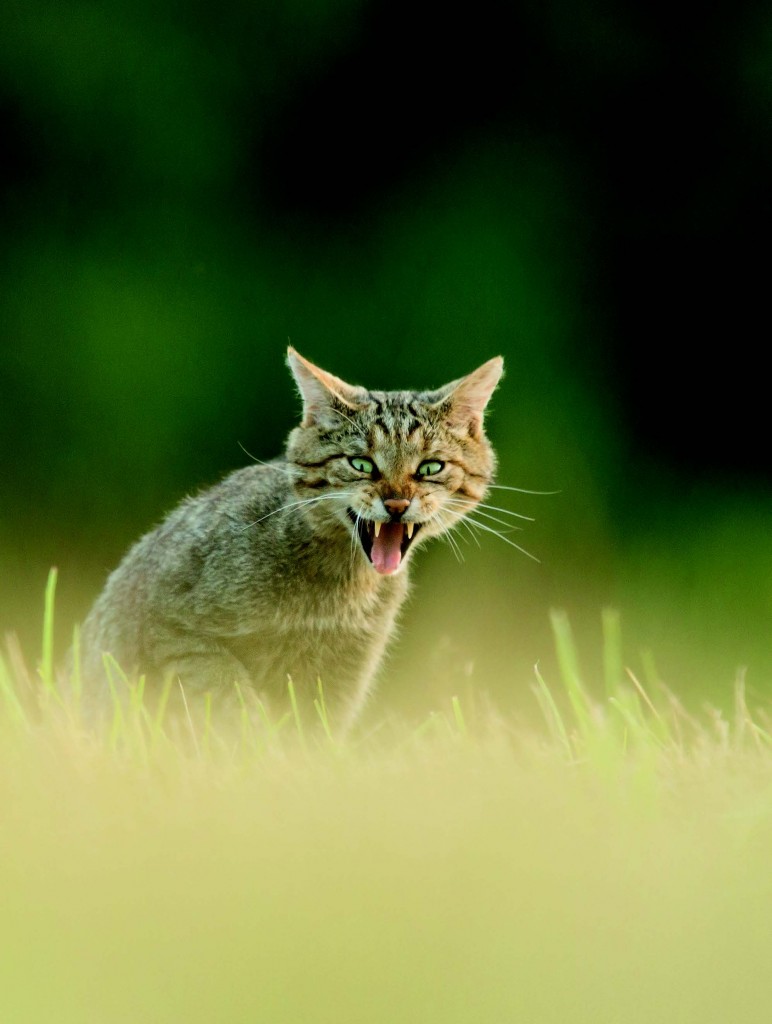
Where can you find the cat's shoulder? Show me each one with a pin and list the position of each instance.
(259, 474)
(243, 491)
(257, 484)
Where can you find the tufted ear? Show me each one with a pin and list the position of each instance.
(323, 394)
(463, 401)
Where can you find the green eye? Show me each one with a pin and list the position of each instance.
(430, 467)
(362, 465)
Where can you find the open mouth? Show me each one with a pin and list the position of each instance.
(385, 544)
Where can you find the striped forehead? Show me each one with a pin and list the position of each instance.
(394, 414)
(397, 429)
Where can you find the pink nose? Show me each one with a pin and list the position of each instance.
(396, 505)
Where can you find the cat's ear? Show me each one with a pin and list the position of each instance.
(463, 401)
(323, 394)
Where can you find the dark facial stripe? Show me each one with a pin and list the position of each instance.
(316, 465)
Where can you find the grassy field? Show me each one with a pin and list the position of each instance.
(610, 863)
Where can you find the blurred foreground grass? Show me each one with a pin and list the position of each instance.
(610, 865)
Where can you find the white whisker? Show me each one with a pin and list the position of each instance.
(453, 546)
(506, 511)
(355, 537)
(496, 533)
(493, 508)
(520, 490)
(254, 458)
(495, 519)
(508, 527)
(298, 504)
(471, 532)
(447, 535)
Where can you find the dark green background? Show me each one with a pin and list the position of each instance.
(403, 193)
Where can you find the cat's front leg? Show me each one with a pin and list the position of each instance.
(349, 701)
(216, 672)
(200, 663)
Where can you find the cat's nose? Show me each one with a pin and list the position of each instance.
(396, 506)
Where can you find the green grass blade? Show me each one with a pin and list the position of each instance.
(613, 665)
(637, 725)
(458, 715)
(321, 710)
(118, 725)
(296, 711)
(189, 718)
(569, 669)
(272, 729)
(657, 720)
(47, 658)
(552, 715)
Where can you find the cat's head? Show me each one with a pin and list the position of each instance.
(392, 468)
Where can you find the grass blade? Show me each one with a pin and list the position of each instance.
(552, 715)
(459, 717)
(321, 710)
(47, 658)
(569, 670)
(296, 711)
(613, 666)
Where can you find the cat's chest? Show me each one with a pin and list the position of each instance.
(322, 583)
(360, 603)
(327, 631)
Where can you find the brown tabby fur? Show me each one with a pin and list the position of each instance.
(264, 575)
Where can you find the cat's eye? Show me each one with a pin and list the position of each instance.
(361, 464)
(430, 467)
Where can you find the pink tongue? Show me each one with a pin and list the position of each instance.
(386, 554)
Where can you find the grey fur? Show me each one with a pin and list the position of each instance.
(263, 575)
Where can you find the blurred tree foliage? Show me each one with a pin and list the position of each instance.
(403, 194)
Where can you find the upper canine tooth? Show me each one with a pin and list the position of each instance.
(376, 528)
(409, 527)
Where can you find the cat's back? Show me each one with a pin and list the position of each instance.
(215, 517)
(199, 548)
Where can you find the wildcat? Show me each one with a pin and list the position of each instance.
(298, 567)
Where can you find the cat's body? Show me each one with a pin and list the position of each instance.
(298, 567)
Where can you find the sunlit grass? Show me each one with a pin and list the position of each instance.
(179, 862)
